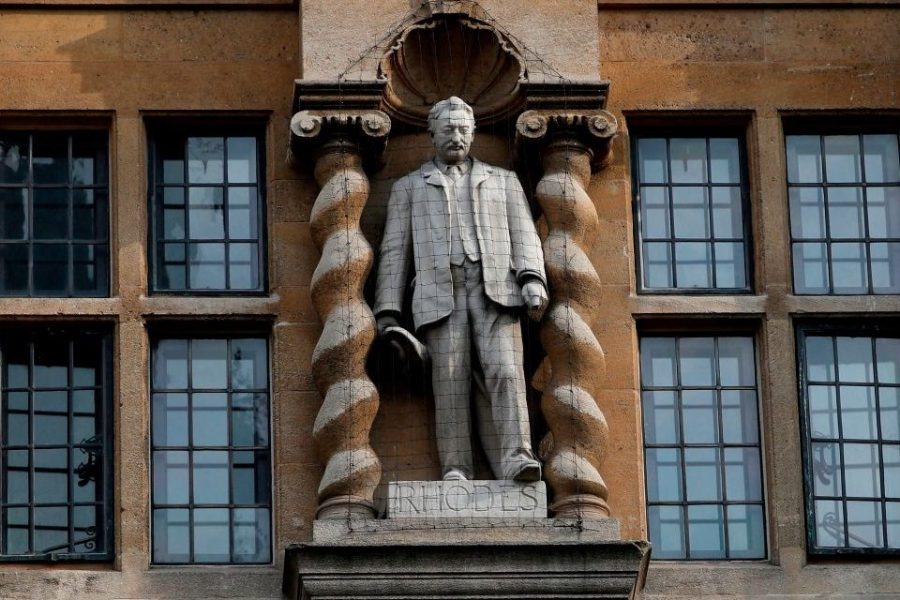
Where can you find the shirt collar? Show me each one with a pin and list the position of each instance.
(464, 166)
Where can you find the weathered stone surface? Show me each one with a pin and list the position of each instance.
(485, 498)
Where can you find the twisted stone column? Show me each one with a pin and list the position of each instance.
(337, 141)
(573, 451)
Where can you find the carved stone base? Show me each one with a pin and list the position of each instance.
(465, 559)
(480, 498)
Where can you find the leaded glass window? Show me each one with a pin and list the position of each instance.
(844, 194)
(691, 197)
(702, 447)
(55, 421)
(210, 451)
(850, 383)
(208, 218)
(54, 213)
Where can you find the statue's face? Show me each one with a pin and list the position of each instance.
(452, 133)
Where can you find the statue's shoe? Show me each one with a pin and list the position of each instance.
(455, 475)
(526, 470)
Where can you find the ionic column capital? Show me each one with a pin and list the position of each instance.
(592, 130)
(363, 132)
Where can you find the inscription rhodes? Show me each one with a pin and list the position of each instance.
(487, 498)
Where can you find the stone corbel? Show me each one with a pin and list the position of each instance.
(336, 144)
(570, 145)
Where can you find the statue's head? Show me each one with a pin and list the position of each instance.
(451, 123)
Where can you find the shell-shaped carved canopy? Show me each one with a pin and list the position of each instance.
(452, 55)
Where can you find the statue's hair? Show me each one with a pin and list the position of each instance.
(452, 103)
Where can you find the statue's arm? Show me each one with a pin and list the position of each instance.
(527, 256)
(396, 251)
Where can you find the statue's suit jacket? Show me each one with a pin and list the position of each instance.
(418, 231)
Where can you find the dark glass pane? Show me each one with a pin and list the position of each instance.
(14, 213)
(86, 360)
(848, 266)
(864, 525)
(241, 160)
(660, 417)
(706, 531)
(736, 361)
(13, 157)
(249, 420)
(211, 535)
(842, 158)
(804, 159)
(173, 272)
(654, 212)
(206, 213)
(15, 531)
(746, 534)
(882, 161)
(170, 420)
(724, 160)
(885, 267)
(823, 413)
(13, 269)
(652, 160)
(170, 365)
(690, 209)
(730, 271)
(88, 521)
(664, 475)
(889, 401)
(206, 156)
(89, 214)
(703, 474)
(51, 420)
(50, 158)
(87, 467)
(86, 417)
(51, 213)
(15, 426)
(693, 265)
(209, 364)
(89, 162)
(810, 268)
(697, 358)
(666, 531)
(687, 160)
(251, 527)
(51, 476)
(89, 268)
(887, 355)
(657, 265)
(826, 460)
(51, 529)
(820, 358)
(893, 524)
(739, 422)
(250, 477)
(210, 471)
(170, 477)
(51, 363)
(16, 358)
(700, 417)
(883, 204)
(891, 456)
(173, 223)
(858, 412)
(742, 474)
(249, 364)
(207, 269)
(171, 535)
(845, 213)
(807, 213)
(16, 487)
(829, 524)
(243, 267)
(173, 196)
(862, 467)
(658, 362)
(855, 363)
(51, 269)
(209, 419)
(728, 219)
(170, 160)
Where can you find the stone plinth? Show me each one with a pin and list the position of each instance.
(487, 498)
(465, 559)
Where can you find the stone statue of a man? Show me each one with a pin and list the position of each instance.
(467, 229)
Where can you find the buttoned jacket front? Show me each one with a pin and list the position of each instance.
(417, 230)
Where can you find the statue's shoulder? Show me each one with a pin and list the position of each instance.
(493, 170)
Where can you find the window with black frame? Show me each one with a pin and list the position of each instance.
(850, 396)
(54, 213)
(55, 419)
(702, 447)
(691, 214)
(844, 194)
(210, 451)
(207, 207)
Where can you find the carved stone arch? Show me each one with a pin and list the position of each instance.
(452, 54)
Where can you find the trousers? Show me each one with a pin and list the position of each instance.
(478, 348)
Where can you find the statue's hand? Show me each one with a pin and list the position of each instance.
(385, 321)
(535, 295)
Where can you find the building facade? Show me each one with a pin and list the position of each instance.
(160, 252)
